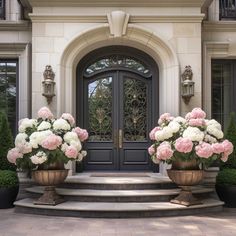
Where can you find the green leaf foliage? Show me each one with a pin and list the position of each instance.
(226, 177)
(8, 178)
(6, 143)
(231, 136)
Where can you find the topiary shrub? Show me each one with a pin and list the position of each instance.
(226, 177)
(231, 136)
(6, 143)
(8, 179)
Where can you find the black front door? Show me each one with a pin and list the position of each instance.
(118, 113)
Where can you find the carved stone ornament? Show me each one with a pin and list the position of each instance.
(118, 22)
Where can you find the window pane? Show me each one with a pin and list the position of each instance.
(8, 91)
(222, 77)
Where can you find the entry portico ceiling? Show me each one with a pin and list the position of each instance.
(118, 3)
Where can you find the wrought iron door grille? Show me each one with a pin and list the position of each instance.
(227, 9)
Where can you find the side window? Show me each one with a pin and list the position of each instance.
(8, 90)
(223, 90)
(2, 9)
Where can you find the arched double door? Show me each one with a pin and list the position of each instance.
(117, 94)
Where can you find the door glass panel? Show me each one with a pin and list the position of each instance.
(135, 110)
(117, 61)
(100, 109)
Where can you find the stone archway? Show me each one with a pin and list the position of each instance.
(137, 37)
(159, 49)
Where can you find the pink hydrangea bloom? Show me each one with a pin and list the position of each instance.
(152, 133)
(218, 148)
(166, 117)
(24, 147)
(224, 157)
(204, 150)
(69, 117)
(164, 151)
(198, 113)
(228, 147)
(188, 116)
(197, 122)
(13, 154)
(71, 152)
(82, 133)
(51, 142)
(45, 113)
(151, 150)
(184, 145)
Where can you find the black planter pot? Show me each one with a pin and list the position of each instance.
(227, 194)
(8, 196)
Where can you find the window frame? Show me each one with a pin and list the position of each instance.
(3, 10)
(232, 71)
(14, 60)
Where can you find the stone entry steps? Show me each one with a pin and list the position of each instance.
(116, 210)
(94, 195)
(118, 197)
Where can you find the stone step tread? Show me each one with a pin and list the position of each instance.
(119, 193)
(117, 180)
(116, 207)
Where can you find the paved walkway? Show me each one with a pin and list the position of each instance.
(217, 224)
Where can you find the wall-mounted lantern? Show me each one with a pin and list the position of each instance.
(187, 84)
(48, 83)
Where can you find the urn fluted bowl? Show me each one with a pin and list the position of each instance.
(49, 177)
(186, 177)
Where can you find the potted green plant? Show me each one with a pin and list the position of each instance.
(226, 178)
(9, 187)
(226, 186)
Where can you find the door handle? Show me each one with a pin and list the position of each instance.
(120, 138)
(116, 141)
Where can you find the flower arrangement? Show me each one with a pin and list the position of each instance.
(46, 140)
(192, 137)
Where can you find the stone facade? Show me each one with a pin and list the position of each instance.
(175, 33)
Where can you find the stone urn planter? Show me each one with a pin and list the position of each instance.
(49, 176)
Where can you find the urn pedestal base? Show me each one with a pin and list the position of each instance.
(186, 197)
(49, 197)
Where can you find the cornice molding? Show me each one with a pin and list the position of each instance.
(13, 46)
(219, 26)
(44, 18)
(217, 47)
(15, 26)
(117, 3)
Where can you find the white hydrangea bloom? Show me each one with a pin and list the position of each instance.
(180, 119)
(26, 123)
(61, 124)
(39, 158)
(84, 153)
(36, 138)
(76, 144)
(194, 134)
(20, 139)
(80, 157)
(214, 123)
(44, 126)
(175, 126)
(71, 136)
(213, 130)
(164, 134)
(64, 146)
(209, 139)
